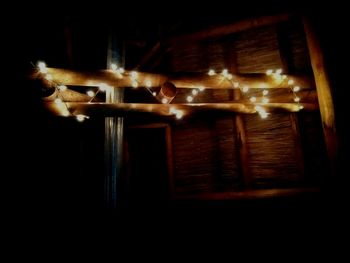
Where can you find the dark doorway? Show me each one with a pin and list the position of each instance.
(148, 176)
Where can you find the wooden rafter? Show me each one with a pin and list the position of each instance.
(93, 79)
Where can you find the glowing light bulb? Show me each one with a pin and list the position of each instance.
(133, 74)
(211, 72)
(164, 100)
(229, 76)
(134, 84)
(194, 92)
(42, 67)
(58, 101)
(201, 88)
(80, 118)
(173, 110)
(121, 70)
(90, 93)
(62, 87)
(269, 72)
(224, 72)
(252, 99)
(279, 71)
(114, 67)
(290, 82)
(296, 88)
(154, 93)
(263, 115)
(179, 115)
(301, 107)
(48, 77)
(245, 89)
(284, 76)
(265, 100)
(235, 84)
(265, 92)
(296, 99)
(148, 83)
(65, 113)
(189, 98)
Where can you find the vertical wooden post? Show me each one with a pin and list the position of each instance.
(324, 94)
(114, 131)
(285, 53)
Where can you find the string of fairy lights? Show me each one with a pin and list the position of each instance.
(276, 75)
(120, 72)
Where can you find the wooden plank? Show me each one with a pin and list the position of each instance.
(249, 194)
(123, 109)
(95, 78)
(228, 29)
(324, 92)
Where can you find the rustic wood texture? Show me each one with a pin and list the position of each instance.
(235, 27)
(271, 149)
(324, 92)
(125, 109)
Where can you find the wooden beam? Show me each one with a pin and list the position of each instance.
(94, 79)
(235, 27)
(249, 194)
(325, 99)
(123, 109)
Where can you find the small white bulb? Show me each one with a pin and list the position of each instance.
(164, 100)
(279, 71)
(42, 67)
(133, 74)
(58, 101)
(252, 99)
(265, 100)
(290, 82)
(154, 93)
(296, 99)
(194, 92)
(211, 72)
(62, 87)
(179, 115)
(235, 84)
(90, 93)
(48, 77)
(80, 118)
(269, 72)
(148, 83)
(134, 84)
(201, 88)
(296, 88)
(114, 67)
(189, 98)
(265, 92)
(245, 89)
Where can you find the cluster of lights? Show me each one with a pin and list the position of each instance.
(245, 89)
(60, 104)
(278, 76)
(178, 113)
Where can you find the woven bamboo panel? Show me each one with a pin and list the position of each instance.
(205, 156)
(257, 50)
(272, 151)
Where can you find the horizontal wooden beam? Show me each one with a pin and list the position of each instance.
(249, 194)
(123, 109)
(94, 79)
(223, 30)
